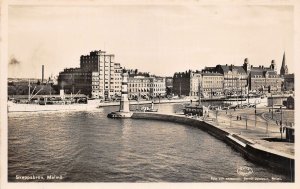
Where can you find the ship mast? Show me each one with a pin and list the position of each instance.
(199, 88)
(28, 90)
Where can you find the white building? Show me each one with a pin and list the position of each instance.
(195, 81)
(158, 86)
(146, 87)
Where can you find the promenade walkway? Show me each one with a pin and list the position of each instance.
(254, 128)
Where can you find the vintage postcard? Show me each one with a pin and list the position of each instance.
(171, 93)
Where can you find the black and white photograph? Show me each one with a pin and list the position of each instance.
(148, 92)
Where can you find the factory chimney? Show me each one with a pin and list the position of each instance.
(42, 74)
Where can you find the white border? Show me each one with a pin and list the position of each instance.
(3, 92)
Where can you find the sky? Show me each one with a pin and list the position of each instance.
(160, 39)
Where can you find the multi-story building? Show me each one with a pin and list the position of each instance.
(235, 78)
(186, 83)
(75, 80)
(195, 82)
(98, 74)
(169, 85)
(212, 84)
(181, 83)
(157, 86)
(265, 81)
(240, 79)
(146, 87)
(288, 82)
(138, 87)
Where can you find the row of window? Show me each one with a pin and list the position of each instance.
(269, 76)
(213, 78)
(210, 86)
(101, 91)
(145, 85)
(146, 90)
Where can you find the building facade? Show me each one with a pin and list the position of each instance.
(288, 82)
(146, 87)
(157, 87)
(265, 81)
(169, 85)
(235, 79)
(182, 83)
(195, 82)
(139, 87)
(75, 80)
(240, 79)
(212, 84)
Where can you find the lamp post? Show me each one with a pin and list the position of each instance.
(246, 122)
(272, 104)
(281, 129)
(230, 117)
(217, 117)
(255, 112)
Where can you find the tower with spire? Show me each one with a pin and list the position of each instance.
(284, 68)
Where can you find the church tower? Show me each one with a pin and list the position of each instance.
(273, 66)
(246, 65)
(284, 68)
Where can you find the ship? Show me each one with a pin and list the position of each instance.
(51, 106)
(61, 102)
(196, 110)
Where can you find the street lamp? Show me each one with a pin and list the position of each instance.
(272, 104)
(281, 129)
(255, 112)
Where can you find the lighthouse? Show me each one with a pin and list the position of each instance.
(124, 103)
(124, 111)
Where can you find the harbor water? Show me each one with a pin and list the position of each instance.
(86, 146)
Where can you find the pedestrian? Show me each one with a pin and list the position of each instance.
(240, 117)
(237, 117)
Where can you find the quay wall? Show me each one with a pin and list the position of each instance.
(250, 150)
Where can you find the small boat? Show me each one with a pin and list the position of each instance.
(147, 109)
(118, 114)
(113, 115)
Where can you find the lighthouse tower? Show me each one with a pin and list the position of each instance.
(124, 103)
(124, 111)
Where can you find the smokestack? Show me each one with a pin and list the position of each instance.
(42, 74)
